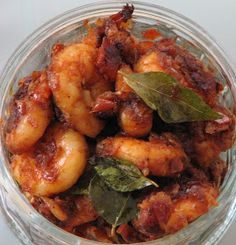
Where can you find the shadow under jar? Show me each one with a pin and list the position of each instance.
(34, 54)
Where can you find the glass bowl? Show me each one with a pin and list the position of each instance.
(34, 54)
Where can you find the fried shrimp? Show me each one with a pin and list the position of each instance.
(161, 156)
(135, 117)
(172, 59)
(30, 113)
(71, 210)
(54, 165)
(72, 69)
(117, 44)
(209, 139)
(160, 214)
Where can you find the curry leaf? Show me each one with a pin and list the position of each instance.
(120, 175)
(174, 102)
(115, 207)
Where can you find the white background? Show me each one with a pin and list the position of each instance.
(18, 18)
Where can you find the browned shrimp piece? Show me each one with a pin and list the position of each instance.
(99, 87)
(68, 212)
(118, 45)
(72, 73)
(122, 39)
(53, 165)
(159, 214)
(161, 156)
(77, 211)
(106, 105)
(109, 60)
(170, 58)
(30, 113)
(135, 117)
(211, 138)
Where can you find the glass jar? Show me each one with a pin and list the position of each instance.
(34, 54)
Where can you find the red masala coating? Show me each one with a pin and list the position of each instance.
(75, 210)
(160, 156)
(30, 113)
(159, 214)
(109, 60)
(83, 213)
(44, 153)
(135, 118)
(188, 70)
(117, 45)
(106, 105)
(18, 108)
(209, 139)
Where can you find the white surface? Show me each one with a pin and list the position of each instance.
(19, 18)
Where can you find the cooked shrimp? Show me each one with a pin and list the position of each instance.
(54, 165)
(100, 86)
(117, 44)
(71, 69)
(135, 117)
(30, 113)
(161, 156)
(209, 139)
(71, 210)
(172, 59)
(159, 214)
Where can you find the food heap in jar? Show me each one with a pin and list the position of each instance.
(119, 138)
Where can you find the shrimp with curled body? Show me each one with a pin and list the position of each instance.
(161, 213)
(161, 156)
(209, 139)
(53, 165)
(30, 113)
(135, 117)
(72, 69)
(166, 56)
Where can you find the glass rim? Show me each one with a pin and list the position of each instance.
(62, 21)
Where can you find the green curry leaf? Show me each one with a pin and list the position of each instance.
(120, 175)
(174, 102)
(115, 207)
